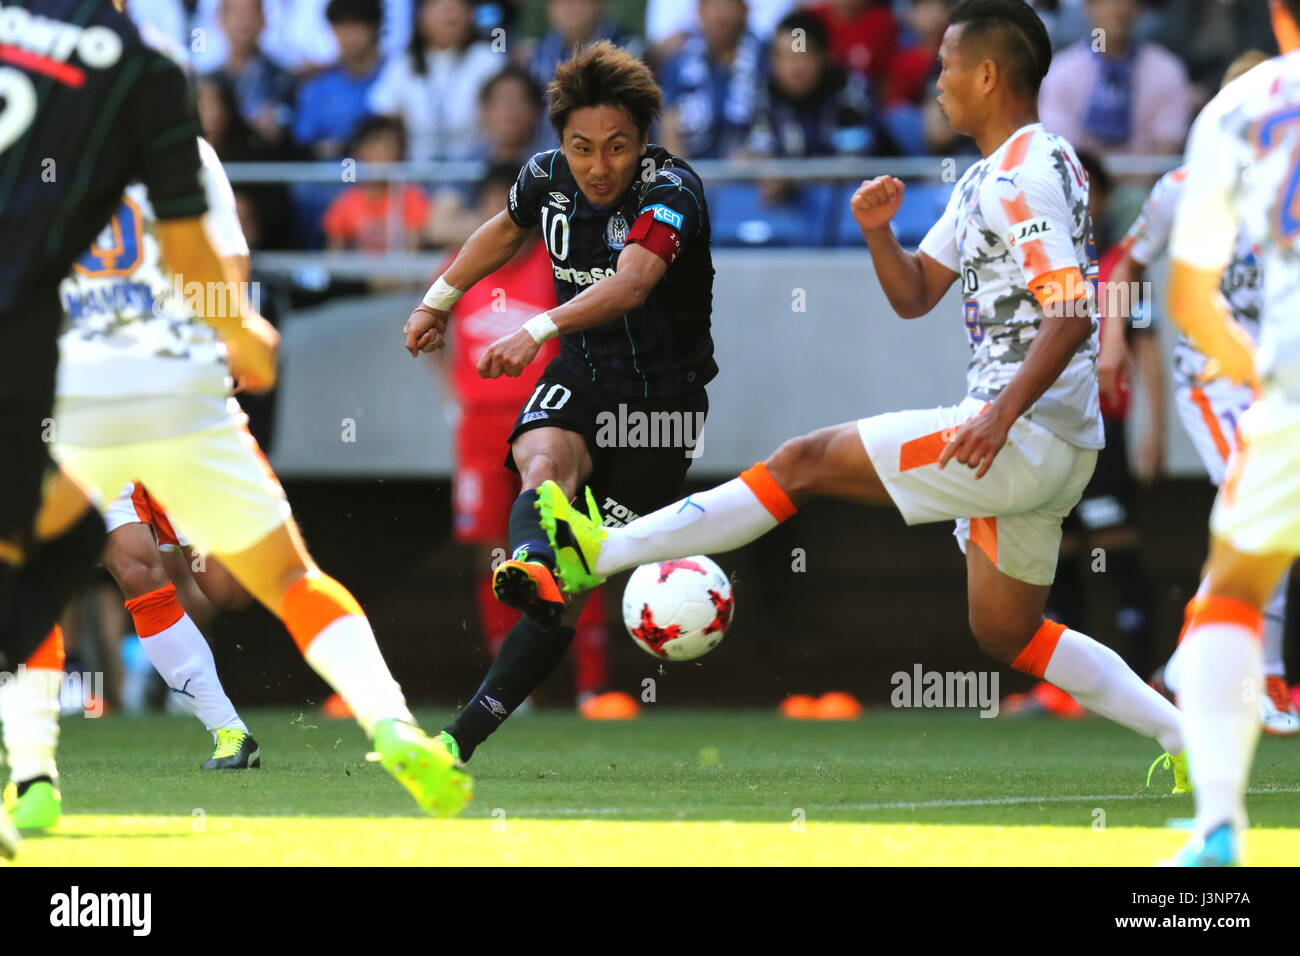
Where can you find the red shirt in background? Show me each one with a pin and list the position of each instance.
(909, 75)
(864, 43)
(359, 217)
(497, 306)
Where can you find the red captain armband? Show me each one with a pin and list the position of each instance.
(656, 235)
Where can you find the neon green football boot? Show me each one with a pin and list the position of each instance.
(448, 741)
(575, 538)
(39, 808)
(1178, 764)
(424, 766)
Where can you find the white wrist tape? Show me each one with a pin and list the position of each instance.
(441, 295)
(541, 328)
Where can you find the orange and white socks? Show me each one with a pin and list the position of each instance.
(1222, 671)
(335, 638)
(180, 653)
(1098, 678)
(29, 711)
(711, 522)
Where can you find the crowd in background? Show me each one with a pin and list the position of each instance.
(380, 80)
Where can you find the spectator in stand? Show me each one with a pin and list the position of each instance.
(375, 217)
(913, 73)
(510, 111)
(669, 22)
(812, 106)
(863, 35)
(572, 25)
(434, 87)
(1110, 93)
(711, 84)
(332, 104)
(263, 89)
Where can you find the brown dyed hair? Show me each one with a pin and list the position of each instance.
(604, 75)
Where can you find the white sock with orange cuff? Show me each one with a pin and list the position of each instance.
(29, 711)
(1222, 671)
(335, 638)
(180, 653)
(1099, 680)
(720, 519)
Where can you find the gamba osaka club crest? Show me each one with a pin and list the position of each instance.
(616, 232)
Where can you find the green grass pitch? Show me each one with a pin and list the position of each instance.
(673, 787)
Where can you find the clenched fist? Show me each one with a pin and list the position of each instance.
(425, 329)
(876, 202)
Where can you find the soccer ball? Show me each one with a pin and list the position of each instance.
(678, 610)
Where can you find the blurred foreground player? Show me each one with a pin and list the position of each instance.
(627, 229)
(485, 412)
(1016, 233)
(1210, 410)
(1241, 177)
(82, 118)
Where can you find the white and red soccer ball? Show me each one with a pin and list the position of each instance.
(678, 610)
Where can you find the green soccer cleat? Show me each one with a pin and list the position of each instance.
(575, 538)
(235, 750)
(1178, 764)
(448, 741)
(425, 767)
(39, 807)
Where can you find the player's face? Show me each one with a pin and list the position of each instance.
(956, 84)
(604, 150)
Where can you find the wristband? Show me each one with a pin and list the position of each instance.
(441, 295)
(541, 328)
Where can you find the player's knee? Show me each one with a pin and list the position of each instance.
(137, 576)
(227, 594)
(795, 466)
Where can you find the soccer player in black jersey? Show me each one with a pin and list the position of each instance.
(88, 107)
(627, 229)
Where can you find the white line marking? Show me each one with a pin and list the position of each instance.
(899, 805)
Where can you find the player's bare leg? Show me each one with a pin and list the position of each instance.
(1221, 674)
(175, 645)
(1006, 618)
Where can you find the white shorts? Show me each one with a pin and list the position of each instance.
(1257, 510)
(1210, 414)
(136, 505)
(1013, 513)
(215, 482)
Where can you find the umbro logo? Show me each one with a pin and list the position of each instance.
(560, 198)
(494, 707)
(536, 170)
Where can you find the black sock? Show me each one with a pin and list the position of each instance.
(528, 654)
(8, 580)
(526, 534)
(1133, 617)
(54, 573)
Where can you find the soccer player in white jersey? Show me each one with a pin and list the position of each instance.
(1242, 174)
(144, 395)
(1008, 462)
(1210, 410)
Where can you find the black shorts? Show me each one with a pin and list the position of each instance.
(1108, 500)
(29, 360)
(640, 449)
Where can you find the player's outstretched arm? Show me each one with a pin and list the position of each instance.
(639, 271)
(491, 246)
(219, 300)
(913, 282)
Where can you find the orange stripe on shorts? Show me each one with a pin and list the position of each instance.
(1033, 659)
(923, 451)
(1212, 422)
(984, 534)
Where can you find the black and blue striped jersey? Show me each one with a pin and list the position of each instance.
(663, 349)
(87, 108)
